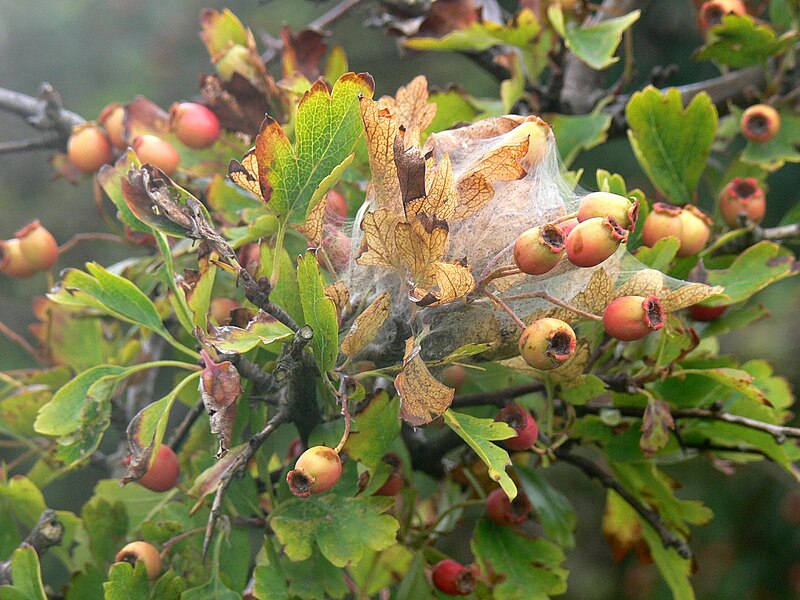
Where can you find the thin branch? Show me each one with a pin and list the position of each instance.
(333, 14)
(87, 237)
(21, 342)
(499, 397)
(556, 301)
(45, 113)
(258, 293)
(591, 470)
(505, 307)
(47, 532)
(181, 432)
(44, 142)
(345, 413)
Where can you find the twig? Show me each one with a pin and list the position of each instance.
(177, 539)
(47, 532)
(179, 434)
(46, 141)
(505, 307)
(345, 414)
(590, 469)
(556, 301)
(250, 370)
(258, 293)
(86, 237)
(21, 342)
(497, 397)
(333, 14)
(45, 113)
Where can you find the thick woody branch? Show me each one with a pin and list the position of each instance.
(47, 532)
(258, 293)
(499, 397)
(45, 113)
(590, 469)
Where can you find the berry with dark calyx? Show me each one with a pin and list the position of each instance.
(12, 262)
(38, 246)
(631, 318)
(742, 197)
(503, 511)
(539, 249)
(712, 11)
(317, 470)
(454, 376)
(695, 230)
(195, 125)
(155, 151)
(141, 551)
(396, 481)
(112, 118)
(594, 240)
(600, 204)
(453, 578)
(701, 312)
(163, 473)
(662, 222)
(547, 343)
(523, 423)
(336, 207)
(88, 148)
(760, 123)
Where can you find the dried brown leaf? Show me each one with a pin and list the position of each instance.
(367, 325)
(443, 283)
(597, 294)
(302, 52)
(312, 228)
(380, 130)
(410, 165)
(689, 294)
(338, 293)
(379, 237)
(420, 243)
(421, 394)
(643, 283)
(412, 109)
(220, 385)
(441, 198)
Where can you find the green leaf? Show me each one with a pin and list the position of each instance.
(213, 588)
(126, 582)
(140, 503)
(415, 584)
(576, 133)
(753, 270)
(594, 44)
(465, 351)
(26, 575)
(379, 570)
(529, 569)
(554, 510)
(479, 434)
(735, 379)
(453, 106)
(741, 42)
(286, 292)
(735, 319)
(342, 527)
(110, 179)
(672, 143)
(106, 523)
(660, 255)
(18, 410)
(378, 425)
(86, 585)
(319, 312)
(167, 275)
(263, 329)
(328, 125)
(781, 149)
(582, 389)
(313, 578)
(64, 413)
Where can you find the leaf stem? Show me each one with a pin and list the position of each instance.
(505, 307)
(276, 254)
(342, 395)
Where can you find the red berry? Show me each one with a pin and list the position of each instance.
(711, 12)
(163, 473)
(194, 124)
(503, 511)
(453, 578)
(141, 551)
(88, 148)
(12, 262)
(568, 225)
(155, 151)
(338, 247)
(539, 249)
(38, 246)
(742, 196)
(220, 310)
(523, 423)
(454, 376)
(695, 230)
(547, 343)
(601, 204)
(631, 318)
(317, 470)
(396, 481)
(336, 208)
(689, 225)
(594, 240)
(701, 312)
(112, 118)
(760, 123)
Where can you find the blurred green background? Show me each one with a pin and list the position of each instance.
(95, 52)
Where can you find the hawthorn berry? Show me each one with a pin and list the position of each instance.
(336, 207)
(141, 551)
(195, 125)
(689, 225)
(38, 246)
(503, 511)
(760, 123)
(89, 148)
(454, 376)
(395, 482)
(163, 473)
(112, 118)
(453, 578)
(547, 343)
(317, 470)
(695, 230)
(742, 196)
(592, 241)
(12, 262)
(568, 225)
(523, 423)
(701, 312)
(712, 11)
(539, 249)
(600, 204)
(155, 151)
(631, 318)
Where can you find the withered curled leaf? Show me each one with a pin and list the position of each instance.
(421, 394)
(220, 385)
(366, 326)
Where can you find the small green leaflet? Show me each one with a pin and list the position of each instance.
(596, 44)
(319, 312)
(741, 42)
(26, 575)
(479, 434)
